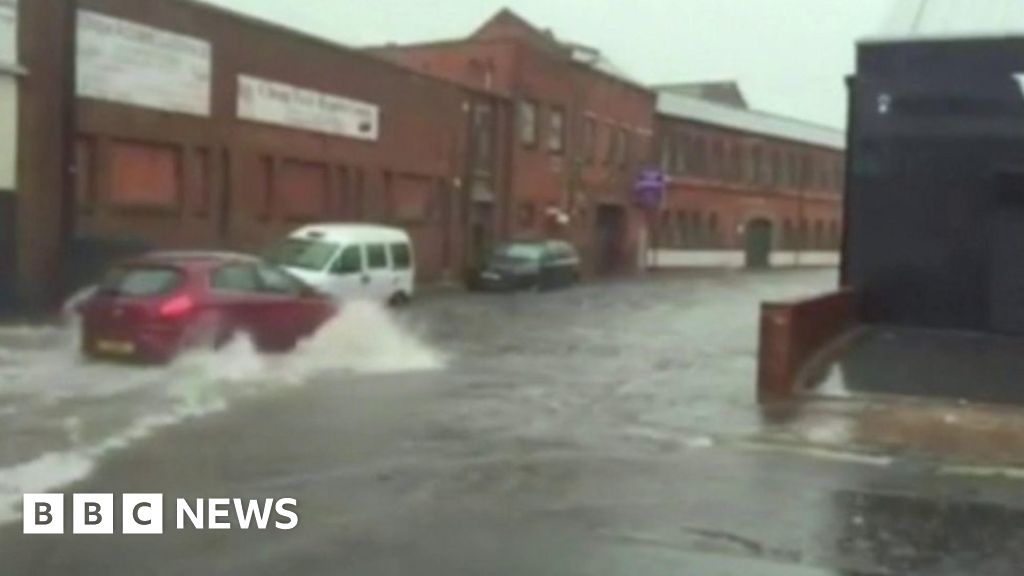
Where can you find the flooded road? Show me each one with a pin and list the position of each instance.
(609, 429)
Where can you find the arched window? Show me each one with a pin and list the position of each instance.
(696, 229)
(713, 238)
(683, 229)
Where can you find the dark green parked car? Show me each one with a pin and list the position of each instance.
(530, 264)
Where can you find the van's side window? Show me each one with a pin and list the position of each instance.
(376, 256)
(350, 261)
(401, 259)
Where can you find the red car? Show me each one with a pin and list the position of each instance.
(152, 307)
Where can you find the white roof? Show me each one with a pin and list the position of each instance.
(351, 232)
(749, 121)
(912, 20)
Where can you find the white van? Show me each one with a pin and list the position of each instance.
(351, 261)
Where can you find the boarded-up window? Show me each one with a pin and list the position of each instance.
(303, 189)
(85, 189)
(145, 175)
(412, 198)
(201, 182)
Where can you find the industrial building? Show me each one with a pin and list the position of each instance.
(176, 124)
(746, 188)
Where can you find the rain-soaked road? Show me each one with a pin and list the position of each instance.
(608, 429)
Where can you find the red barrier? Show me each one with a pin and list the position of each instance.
(792, 333)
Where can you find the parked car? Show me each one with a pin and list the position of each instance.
(152, 307)
(351, 261)
(542, 264)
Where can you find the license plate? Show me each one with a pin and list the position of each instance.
(490, 276)
(116, 347)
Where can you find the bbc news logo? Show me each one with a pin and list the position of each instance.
(144, 514)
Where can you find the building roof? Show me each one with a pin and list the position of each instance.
(725, 92)
(748, 121)
(913, 20)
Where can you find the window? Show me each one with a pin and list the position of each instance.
(528, 123)
(806, 172)
(483, 137)
(788, 240)
(700, 157)
(556, 130)
(793, 179)
(235, 278)
(696, 229)
(612, 153)
(401, 258)
(718, 169)
(300, 253)
(350, 261)
(819, 234)
(681, 154)
(625, 149)
(141, 281)
(777, 169)
(145, 175)
(683, 223)
(713, 229)
(376, 256)
(735, 164)
(590, 140)
(666, 238)
(756, 161)
(277, 281)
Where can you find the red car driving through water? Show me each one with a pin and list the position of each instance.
(152, 307)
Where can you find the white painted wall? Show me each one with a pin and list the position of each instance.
(8, 130)
(667, 259)
(8, 92)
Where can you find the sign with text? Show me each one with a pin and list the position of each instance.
(130, 63)
(8, 32)
(281, 104)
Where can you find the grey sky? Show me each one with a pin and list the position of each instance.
(790, 55)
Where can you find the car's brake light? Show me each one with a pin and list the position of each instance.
(177, 306)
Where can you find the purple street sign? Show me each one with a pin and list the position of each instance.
(649, 188)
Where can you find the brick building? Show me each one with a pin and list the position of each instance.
(574, 134)
(747, 188)
(175, 124)
(187, 126)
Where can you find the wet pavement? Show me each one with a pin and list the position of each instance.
(609, 429)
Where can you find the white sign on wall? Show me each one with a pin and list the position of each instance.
(272, 102)
(130, 63)
(8, 32)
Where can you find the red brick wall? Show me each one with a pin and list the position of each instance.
(729, 191)
(529, 68)
(792, 333)
(421, 137)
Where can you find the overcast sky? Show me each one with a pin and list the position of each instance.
(790, 56)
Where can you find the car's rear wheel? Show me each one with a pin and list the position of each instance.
(398, 299)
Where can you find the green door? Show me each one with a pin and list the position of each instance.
(759, 243)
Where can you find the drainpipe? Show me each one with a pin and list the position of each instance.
(69, 130)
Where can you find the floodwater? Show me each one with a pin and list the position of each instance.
(607, 429)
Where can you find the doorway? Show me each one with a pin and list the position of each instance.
(610, 230)
(759, 244)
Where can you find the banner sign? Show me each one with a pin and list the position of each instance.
(130, 63)
(281, 104)
(8, 32)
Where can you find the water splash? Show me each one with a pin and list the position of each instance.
(44, 380)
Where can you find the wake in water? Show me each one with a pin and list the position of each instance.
(97, 407)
